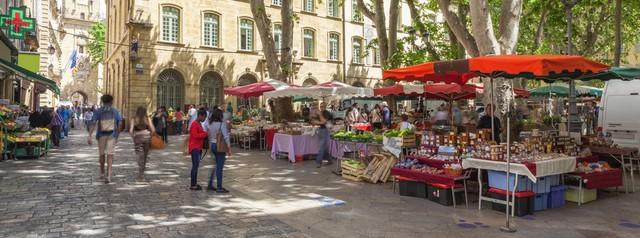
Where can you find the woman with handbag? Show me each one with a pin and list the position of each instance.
(141, 130)
(196, 139)
(220, 141)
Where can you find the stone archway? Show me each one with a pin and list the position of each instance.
(309, 81)
(247, 79)
(358, 84)
(79, 98)
(170, 89)
(211, 89)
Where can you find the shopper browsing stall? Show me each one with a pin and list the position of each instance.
(325, 121)
(404, 122)
(485, 122)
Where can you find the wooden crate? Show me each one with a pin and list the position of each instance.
(405, 141)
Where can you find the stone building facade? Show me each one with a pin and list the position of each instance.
(65, 26)
(177, 52)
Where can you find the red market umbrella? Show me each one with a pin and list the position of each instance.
(437, 72)
(256, 89)
(439, 91)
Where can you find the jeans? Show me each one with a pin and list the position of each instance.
(323, 154)
(66, 128)
(179, 127)
(217, 170)
(195, 163)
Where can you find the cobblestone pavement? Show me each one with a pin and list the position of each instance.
(61, 196)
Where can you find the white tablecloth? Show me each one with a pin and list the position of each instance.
(543, 168)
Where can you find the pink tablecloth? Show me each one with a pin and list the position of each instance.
(294, 145)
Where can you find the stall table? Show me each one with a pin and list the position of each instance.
(339, 147)
(621, 154)
(531, 170)
(20, 143)
(294, 145)
(597, 180)
(443, 179)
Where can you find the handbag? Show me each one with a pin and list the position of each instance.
(185, 146)
(156, 142)
(205, 143)
(221, 144)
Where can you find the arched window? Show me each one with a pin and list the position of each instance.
(170, 89)
(358, 84)
(309, 43)
(211, 89)
(334, 46)
(277, 35)
(170, 24)
(356, 49)
(247, 79)
(309, 82)
(210, 29)
(246, 35)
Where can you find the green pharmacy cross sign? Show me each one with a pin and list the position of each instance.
(16, 23)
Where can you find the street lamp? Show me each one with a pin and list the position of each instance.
(574, 124)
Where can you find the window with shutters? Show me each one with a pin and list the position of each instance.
(277, 36)
(334, 46)
(309, 43)
(246, 35)
(356, 48)
(210, 30)
(170, 24)
(308, 5)
(333, 8)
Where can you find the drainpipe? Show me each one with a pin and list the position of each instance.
(344, 43)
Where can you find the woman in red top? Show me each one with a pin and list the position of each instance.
(196, 139)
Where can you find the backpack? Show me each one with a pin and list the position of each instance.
(107, 121)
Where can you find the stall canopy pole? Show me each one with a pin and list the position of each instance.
(493, 135)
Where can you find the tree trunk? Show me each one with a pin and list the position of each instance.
(286, 57)
(618, 34)
(393, 28)
(509, 25)
(263, 23)
(540, 28)
(458, 28)
(482, 27)
(381, 29)
(275, 66)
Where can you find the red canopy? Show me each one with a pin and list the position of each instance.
(428, 72)
(439, 91)
(256, 89)
(547, 67)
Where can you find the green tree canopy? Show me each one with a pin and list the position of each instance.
(96, 42)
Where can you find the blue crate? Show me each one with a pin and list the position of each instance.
(554, 180)
(498, 179)
(557, 196)
(542, 185)
(540, 201)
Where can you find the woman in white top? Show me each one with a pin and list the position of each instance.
(216, 125)
(404, 123)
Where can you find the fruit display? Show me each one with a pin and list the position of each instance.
(586, 167)
(357, 137)
(399, 133)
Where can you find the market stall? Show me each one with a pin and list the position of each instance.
(17, 139)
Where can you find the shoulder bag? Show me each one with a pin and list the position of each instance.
(221, 144)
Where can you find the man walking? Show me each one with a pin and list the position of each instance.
(106, 121)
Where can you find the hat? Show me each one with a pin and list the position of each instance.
(385, 104)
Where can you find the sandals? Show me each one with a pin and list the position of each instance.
(195, 188)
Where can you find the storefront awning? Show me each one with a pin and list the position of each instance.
(31, 76)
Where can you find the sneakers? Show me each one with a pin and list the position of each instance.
(222, 190)
(195, 188)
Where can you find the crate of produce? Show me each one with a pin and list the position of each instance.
(583, 196)
(498, 179)
(542, 185)
(412, 188)
(352, 170)
(524, 202)
(557, 196)
(540, 201)
(441, 193)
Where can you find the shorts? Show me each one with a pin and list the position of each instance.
(106, 145)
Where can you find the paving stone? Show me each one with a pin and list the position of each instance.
(72, 202)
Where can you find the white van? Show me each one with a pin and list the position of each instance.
(620, 112)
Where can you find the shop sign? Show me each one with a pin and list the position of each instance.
(17, 23)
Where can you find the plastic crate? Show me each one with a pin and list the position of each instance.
(557, 196)
(413, 188)
(524, 201)
(498, 179)
(441, 193)
(554, 180)
(588, 195)
(542, 185)
(540, 201)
